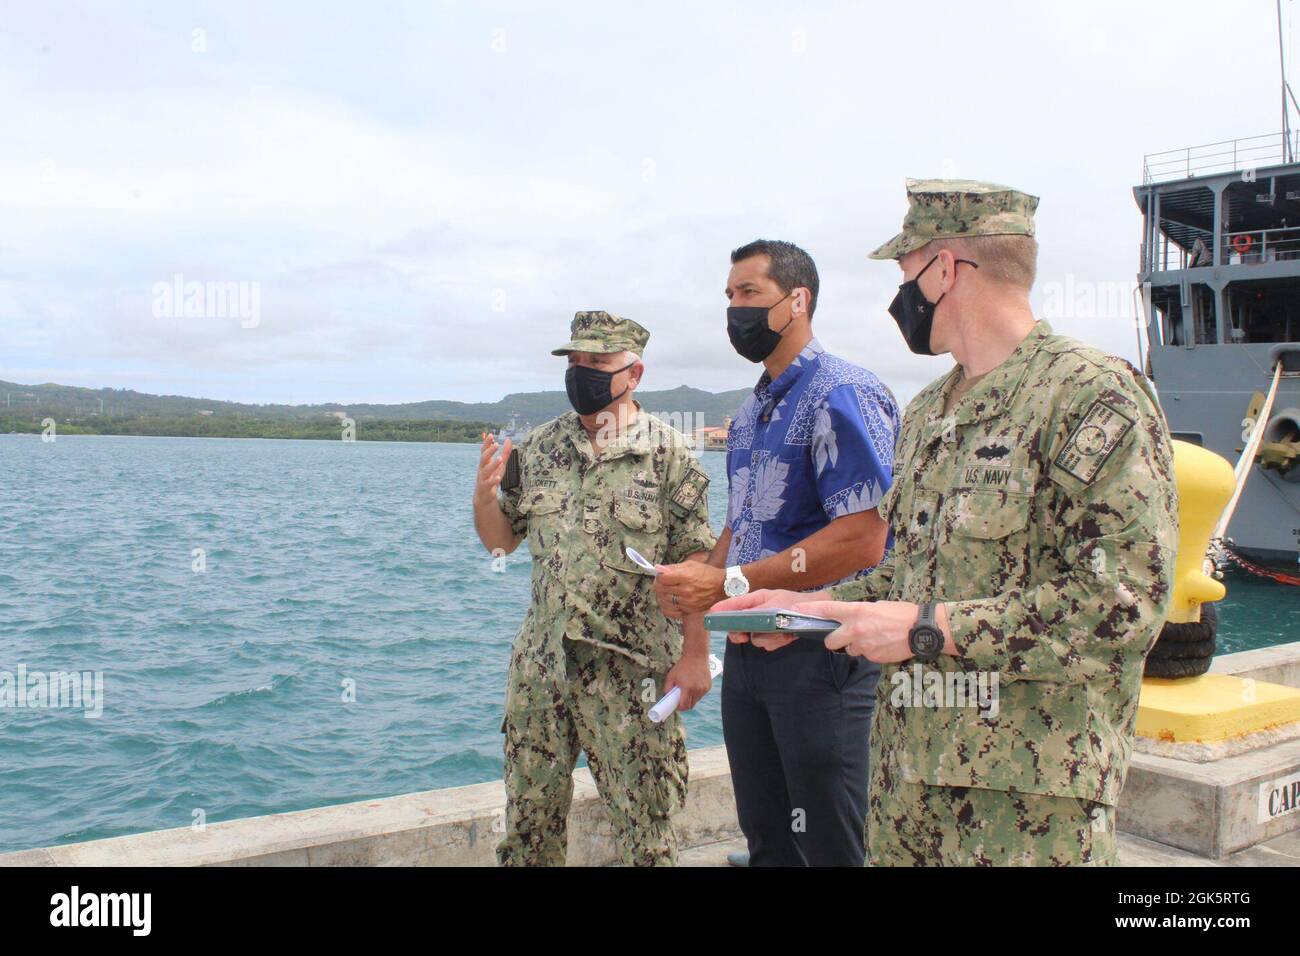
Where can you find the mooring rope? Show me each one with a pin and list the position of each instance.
(1280, 576)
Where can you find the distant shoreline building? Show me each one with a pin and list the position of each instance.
(713, 437)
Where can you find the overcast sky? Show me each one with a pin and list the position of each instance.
(425, 193)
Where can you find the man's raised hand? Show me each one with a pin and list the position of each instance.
(490, 472)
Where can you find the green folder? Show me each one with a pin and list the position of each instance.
(771, 621)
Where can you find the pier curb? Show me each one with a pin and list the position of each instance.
(458, 826)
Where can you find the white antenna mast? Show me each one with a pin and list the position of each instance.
(1288, 154)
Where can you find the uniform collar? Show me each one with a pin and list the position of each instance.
(635, 440)
(773, 390)
(990, 396)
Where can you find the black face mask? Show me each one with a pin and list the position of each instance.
(748, 330)
(589, 389)
(914, 313)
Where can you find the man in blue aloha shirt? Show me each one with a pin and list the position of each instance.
(809, 456)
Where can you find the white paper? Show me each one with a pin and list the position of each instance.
(640, 559)
(668, 703)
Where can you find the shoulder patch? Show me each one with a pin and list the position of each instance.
(694, 485)
(1092, 442)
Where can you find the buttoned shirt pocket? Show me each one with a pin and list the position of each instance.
(989, 515)
(630, 590)
(545, 513)
(986, 534)
(639, 524)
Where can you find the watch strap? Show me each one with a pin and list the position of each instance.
(927, 614)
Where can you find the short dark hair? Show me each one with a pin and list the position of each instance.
(788, 266)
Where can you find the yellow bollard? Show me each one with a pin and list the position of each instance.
(1211, 708)
(1205, 482)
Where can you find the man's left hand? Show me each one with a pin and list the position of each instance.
(876, 630)
(688, 587)
(691, 674)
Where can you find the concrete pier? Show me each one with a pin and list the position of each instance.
(1216, 799)
(459, 826)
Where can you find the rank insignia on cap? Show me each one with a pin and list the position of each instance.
(604, 333)
(1093, 440)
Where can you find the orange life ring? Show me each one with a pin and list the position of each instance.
(1241, 243)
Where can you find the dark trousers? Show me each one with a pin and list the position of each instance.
(797, 723)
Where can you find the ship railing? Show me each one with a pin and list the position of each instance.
(1261, 245)
(1250, 246)
(1166, 249)
(1230, 155)
(1170, 255)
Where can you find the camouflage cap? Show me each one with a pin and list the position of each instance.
(603, 332)
(951, 208)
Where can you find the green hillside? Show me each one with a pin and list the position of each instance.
(128, 412)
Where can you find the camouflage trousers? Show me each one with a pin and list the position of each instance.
(918, 825)
(591, 700)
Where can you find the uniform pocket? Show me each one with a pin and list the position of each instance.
(637, 524)
(638, 516)
(989, 515)
(543, 511)
(984, 535)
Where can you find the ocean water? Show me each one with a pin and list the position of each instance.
(280, 625)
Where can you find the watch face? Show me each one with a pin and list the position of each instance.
(926, 641)
(735, 586)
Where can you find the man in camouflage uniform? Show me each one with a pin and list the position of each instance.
(595, 652)
(1033, 505)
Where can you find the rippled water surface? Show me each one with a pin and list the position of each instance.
(328, 565)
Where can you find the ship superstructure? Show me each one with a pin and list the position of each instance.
(1220, 288)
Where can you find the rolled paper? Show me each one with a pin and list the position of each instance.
(666, 705)
(669, 701)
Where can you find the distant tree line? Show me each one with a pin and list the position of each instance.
(240, 426)
(69, 401)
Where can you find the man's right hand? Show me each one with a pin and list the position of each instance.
(688, 587)
(490, 472)
(760, 600)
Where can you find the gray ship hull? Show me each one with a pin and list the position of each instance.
(1205, 391)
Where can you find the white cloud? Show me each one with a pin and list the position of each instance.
(424, 214)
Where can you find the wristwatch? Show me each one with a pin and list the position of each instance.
(736, 583)
(925, 640)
